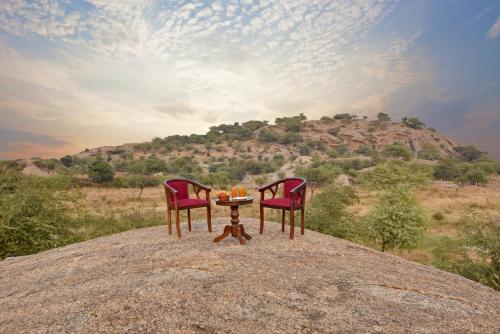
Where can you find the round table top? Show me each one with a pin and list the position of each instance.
(236, 201)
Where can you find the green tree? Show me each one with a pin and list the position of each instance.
(328, 212)
(398, 221)
(100, 172)
(468, 153)
(413, 123)
(394, 173)
(382, 116)
(481, 254)
(36, 213)
(67, 161)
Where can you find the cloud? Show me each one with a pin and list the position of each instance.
(371, 104)
(149, 68)
(10, 138)
(494, 31)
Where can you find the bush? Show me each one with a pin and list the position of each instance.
(290, 138)
(429, 152)
(413, 123)
(36, 213)
(135, 181)
(291, 124)
(328, 212)
(100, 172)
(365, 150)
(319, 176)
(394, 173)
(476, 176)
(476, 252)
(398, 221)
(67, 161)
(267, 136)
(397, 150)
(381, 116)
(344, 117)
(184, 167)
(305, 150)
(468, 153)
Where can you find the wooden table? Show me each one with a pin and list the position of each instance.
(235, 229)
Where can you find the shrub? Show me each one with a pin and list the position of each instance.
(438, 216)
(476, 252)
(328, 212)
(413, 123)
(261, 180)
(291, 124)
(481, 256)
(290, 138)
(333, 131)
(67, 161)
(267, 136)
(429, 152)
(394, 173)
(305, 150)
(342, 149)
(446, 170)
(397, 150)
(344, 117)
(100, 172)
(381, 116)
(36, 213)
(319, 176)
(476, 176)
(364, 150)
(398, 221)
(184, 167)
(468, 153)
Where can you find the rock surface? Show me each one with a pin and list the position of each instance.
(147, 281)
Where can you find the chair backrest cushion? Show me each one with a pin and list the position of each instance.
(289, 185)
(181, 187)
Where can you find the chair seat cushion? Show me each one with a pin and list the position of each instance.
(280, 202)
(192, 202)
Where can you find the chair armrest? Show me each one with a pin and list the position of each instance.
(264, 188)
(171, 195)
(199, 185)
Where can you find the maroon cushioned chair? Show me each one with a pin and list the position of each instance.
(294, 197)
(177, 193)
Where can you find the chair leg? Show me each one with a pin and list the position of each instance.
(209, 218)
(261, 220)
(189, 219)
(302, 221)
(169, 221)
(292, 223)
(282, 220)
(177, 223)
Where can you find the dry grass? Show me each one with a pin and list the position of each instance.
(449, 203)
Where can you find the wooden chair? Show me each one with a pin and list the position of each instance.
(177, 194)
(294, 197)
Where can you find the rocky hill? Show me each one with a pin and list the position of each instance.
(355, 136)
(146, 281)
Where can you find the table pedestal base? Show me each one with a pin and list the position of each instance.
(235, 229)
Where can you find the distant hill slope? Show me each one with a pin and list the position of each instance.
(147, 281)
(350, 135)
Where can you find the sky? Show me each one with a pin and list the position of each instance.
(81, 74)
